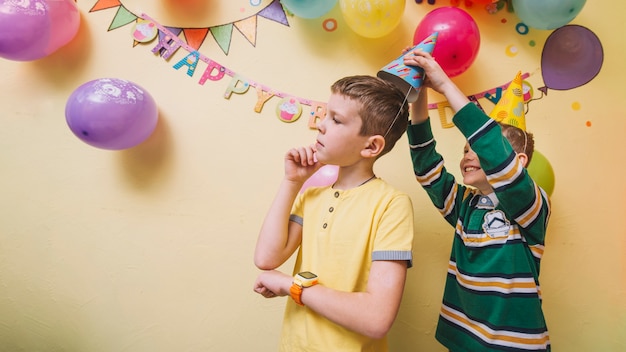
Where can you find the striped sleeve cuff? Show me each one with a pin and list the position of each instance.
(394, 255)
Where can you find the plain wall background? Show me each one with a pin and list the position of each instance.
(150, 248)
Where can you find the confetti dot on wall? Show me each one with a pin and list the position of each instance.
(532, 43)
(521, 28)
(330, 24)
(588, 123)
(511, 50)
(576, 106)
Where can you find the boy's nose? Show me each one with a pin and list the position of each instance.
(469, 156)
(320, 124)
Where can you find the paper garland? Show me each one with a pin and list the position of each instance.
(196, 36)
(288, 109)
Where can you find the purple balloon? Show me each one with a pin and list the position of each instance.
(572, 56)
(24, 30)
(111, 113)
(30, 30)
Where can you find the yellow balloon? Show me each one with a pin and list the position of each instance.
(372, 18)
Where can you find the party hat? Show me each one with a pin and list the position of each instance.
(408, 78)
(510, 107)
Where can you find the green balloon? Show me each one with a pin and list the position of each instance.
(541, 171)
(547, 14)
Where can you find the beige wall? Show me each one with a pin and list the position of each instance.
(150, 249)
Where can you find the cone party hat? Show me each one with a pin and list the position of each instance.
(510, 107)
(408, 78)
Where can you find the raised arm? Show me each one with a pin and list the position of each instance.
(279, 237)
(436, 79)
(419, 109)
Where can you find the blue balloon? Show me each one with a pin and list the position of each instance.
(309, 8)
(547, 14)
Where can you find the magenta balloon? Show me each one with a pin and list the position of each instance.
(458, 38)
(64, 23)
(571, 57)
(111, 113)
(24, 30)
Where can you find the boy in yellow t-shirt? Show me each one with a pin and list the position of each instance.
(354, 238)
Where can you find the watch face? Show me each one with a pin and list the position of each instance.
(307, 275)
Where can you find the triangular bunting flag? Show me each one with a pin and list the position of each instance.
(275, 12)
(105, 4)
(122, 18)
(247, 27)
(195, 36)
(223, 35)
(175, 30)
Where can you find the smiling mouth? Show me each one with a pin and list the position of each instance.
(471, 168)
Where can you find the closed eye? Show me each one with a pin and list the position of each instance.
(333, 118)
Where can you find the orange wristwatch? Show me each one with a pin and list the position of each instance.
(301, 280)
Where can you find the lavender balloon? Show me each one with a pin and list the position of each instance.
(111, 113)
(30, 30)
(571, 57)
(24, 30)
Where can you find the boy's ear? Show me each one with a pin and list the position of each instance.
(523, 159)
(375, 145)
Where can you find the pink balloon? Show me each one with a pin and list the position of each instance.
(111, 113)
(458, 41)
(64, 23)
(325, 176)
(30, 30)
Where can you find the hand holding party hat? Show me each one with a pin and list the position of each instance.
(408, 78)
(510, 107)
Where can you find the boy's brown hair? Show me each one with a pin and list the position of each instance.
(384, 110)
(521, 141)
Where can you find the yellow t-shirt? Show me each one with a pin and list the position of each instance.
(343, 232)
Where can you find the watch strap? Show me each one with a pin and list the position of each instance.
(295, 291)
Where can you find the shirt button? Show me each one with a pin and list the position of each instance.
(331, 209)
(325, 225)
(336, 194)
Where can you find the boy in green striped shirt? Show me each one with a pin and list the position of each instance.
(492, 297)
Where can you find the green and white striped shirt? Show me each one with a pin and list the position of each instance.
(492, 297)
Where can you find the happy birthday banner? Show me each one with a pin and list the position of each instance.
(289, 108)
